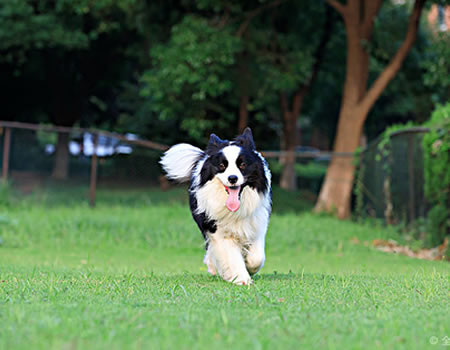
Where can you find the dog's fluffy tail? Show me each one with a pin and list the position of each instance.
(179, 161)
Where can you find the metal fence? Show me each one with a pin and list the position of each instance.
(35, 156)
(390, 180)
(30, 152)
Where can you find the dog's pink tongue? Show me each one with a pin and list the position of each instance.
(232, 202)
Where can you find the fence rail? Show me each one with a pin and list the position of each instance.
(307, 155)
(64, 129)
(16, 148)
(152, 144)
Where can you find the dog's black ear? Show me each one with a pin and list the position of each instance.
(214, 140)
(215, 143)
(246, 139)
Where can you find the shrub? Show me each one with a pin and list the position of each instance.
(436, 146)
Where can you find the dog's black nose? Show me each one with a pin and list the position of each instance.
(233, 179)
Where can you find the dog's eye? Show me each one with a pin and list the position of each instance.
(242, 166)
(222, 167)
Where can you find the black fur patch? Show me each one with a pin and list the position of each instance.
(204, 224)
(254, 170)
(211, 167)
(245, 140)
(215, 144)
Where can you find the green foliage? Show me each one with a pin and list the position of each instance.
(195, 64)
(190, 73)
(295, 69)
(436, 145)
(46, 138)
(61, 62)
(199, 73)
(28, 25)
(385, 139)
(407, 97)
(437, 63)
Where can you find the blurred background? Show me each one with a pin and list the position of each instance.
(349, 105)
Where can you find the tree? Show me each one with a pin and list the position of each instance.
(203, 74)
(64, 45)
(190, 78)
(357, 100)
(247, 58)
(437, 66)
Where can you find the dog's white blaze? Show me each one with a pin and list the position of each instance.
(179, 161)
(231, 153)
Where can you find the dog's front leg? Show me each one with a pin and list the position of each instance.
(207, 260)
(255, 258)
(227, 257)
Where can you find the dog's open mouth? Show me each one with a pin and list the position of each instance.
(233, 201)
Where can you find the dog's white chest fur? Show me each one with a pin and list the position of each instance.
(247, 223)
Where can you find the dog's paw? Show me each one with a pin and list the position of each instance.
(245, 281)
(211, 269)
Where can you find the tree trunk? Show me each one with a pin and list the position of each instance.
(243, 113)
(336, 190)
(288, 179)
(61, 165)
(289, 140)
(291, 132)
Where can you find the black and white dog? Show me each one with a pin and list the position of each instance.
(230, 199)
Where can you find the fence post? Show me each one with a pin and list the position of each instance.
(93, 184)
(6, 149)
(411, 179)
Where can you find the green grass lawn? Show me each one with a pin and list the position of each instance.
(129, 275)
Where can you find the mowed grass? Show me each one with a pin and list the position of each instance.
(129, 275)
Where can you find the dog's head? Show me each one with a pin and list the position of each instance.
(236, 164)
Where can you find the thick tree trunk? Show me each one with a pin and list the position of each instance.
(61, 165)
(336, 190)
